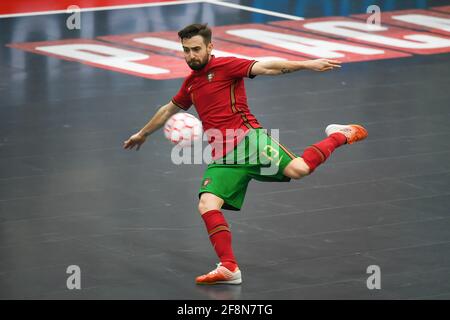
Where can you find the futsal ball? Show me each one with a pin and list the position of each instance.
(183, 129)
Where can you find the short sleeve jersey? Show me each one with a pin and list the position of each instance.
(218, 93)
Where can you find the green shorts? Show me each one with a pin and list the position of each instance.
(258, 157)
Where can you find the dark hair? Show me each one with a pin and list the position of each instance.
(196, 29)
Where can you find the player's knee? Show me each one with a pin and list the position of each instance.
(297, 174)
(208, 202)
(302, 170)
(202, 206)
(297, 169)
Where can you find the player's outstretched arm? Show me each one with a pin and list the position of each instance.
(282, 67)
(156, 122)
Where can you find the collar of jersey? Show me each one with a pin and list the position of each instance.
(205, 68)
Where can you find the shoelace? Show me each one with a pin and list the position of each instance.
(215, 271)
(346, 130)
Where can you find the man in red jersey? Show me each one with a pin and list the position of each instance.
(216, 88)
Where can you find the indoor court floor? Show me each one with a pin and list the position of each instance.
(70, 195)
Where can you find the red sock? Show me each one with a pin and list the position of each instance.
(319, 152)
(220, 236)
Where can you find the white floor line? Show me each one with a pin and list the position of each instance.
(155, 4)
(118, 7)
(246, 8)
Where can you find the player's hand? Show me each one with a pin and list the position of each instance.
(136, 139)
(322, 64)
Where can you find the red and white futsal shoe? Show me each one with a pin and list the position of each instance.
(353, 132)
(220, 275)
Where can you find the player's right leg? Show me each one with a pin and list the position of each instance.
(209, 201)
(227, 271)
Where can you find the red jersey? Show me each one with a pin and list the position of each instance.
(218, 93)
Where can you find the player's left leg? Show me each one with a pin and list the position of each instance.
(296, 169)
(319, 152)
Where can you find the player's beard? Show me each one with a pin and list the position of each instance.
(198, 65)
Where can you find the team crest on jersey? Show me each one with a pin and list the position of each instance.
(210, 76)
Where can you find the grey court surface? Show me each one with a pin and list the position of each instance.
(70, 195)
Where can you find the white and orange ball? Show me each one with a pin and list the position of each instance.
(183, 129)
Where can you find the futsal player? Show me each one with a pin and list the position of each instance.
(216, 88)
